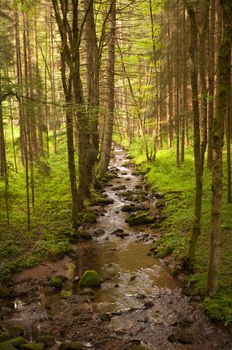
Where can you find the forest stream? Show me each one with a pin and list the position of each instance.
(139, 301)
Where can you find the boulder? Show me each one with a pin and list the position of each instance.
(16, 342)
(129, 208)
(85, 235)
(4, 292)
(47, 340)
(91, 279)
(75, 345)
(55, 282)
(32, 346)
(143, 218)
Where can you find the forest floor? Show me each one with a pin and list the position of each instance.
(139, 303)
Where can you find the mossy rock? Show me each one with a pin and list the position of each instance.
(4, 292)
(75, 345)
(15, 330)
(32, 346)
(143, 218)
(17, 342)
(7, 346)
(163, 250)
(55, 282)
(138, 347)
(47, 340)
(85, 235)
(91, 279)
(4, 334)
(89, 217)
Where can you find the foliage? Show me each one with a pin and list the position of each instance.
(177, 185)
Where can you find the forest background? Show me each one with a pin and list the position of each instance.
(153, 75)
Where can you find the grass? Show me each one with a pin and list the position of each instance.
(50, 218)
(178, 185)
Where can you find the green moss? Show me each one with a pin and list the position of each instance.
(75, 345)
(89, 217)
(47, 340)
(138, 347)
(91, 279)
(55, 282)
(143, 218)
(4, 292)
(17, 342)
(7, 346)
(32, 346)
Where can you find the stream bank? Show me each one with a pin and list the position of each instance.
(139, 301)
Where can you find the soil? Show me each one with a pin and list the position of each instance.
(139, 301)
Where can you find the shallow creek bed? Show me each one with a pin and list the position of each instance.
(139, 305)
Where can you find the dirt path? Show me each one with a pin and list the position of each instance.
(139, 302)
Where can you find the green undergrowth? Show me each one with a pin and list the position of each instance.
(50, 218)
(177, 185)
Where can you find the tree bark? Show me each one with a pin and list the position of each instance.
(217, 148)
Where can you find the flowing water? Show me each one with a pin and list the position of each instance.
(139, 302)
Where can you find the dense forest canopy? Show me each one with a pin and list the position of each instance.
(153, 76)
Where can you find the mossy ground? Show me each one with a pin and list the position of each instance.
(19, 248)
(178, 185)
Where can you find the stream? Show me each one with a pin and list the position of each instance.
(139, 301)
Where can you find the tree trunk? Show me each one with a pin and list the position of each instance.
(108, 130)
(217, 147)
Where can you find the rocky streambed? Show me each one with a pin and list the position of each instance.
(139, 305)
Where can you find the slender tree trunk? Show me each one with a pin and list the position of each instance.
(217, 147)
(228, 144)
(108, 131)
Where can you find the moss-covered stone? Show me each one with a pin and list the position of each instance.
(4, 292)
(91, 279)
(15, 330)
(85, 235)
(55, 282)
(7, 346)
(17, 342)
(90, 217)
(143, 218)
(47, 340)
(75, 345)
(163, 250)
(138, 347)
(4, 334)
(32, 346)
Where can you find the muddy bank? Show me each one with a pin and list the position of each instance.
(139, 302)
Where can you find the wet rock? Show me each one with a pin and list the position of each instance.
(56, 283)
(143, 218)
(119, 188)
(181, 337)
(76, 312)
(91, 279)
(129, 208)
(105, 317)
(128, 179)
(148, 305)
(32, 346)
(138, 347)
(75, 345)
(47, 340)
(132, 278)
(126, 194)
(117, 313)
(17, 342)
(99, 232)
(5, 311)
(87, 291)
(4, 292)
(104, 201)
(143, 319)
(122, 235)
(85, 235)
(15, 330)
(117, 231)
(140, 296)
